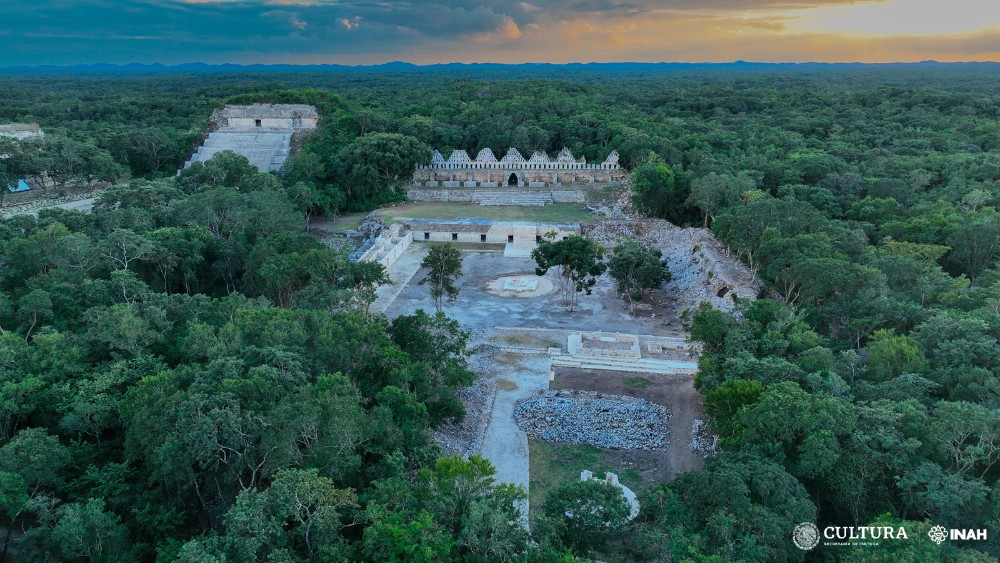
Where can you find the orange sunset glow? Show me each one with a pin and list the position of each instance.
(556, 31)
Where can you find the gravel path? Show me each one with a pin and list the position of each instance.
(505, 444)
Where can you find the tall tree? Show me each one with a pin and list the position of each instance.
(713, 193)
(578, 261)
(376, 164)
(657, 191)
(637, 269)
(444, 265)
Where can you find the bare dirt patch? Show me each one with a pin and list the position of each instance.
(675, 392)
(506, 384)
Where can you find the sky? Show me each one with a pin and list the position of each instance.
(62, 32)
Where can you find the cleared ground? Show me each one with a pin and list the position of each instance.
(676, 392)
(519, 366)
(476, 307)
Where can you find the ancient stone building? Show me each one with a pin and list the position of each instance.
(21, 131)
(261, 132)
(513, 170)
(519, 238)
(283, 117)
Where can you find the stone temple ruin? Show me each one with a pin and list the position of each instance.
(21, 131)
(263, 133)
(514, 171)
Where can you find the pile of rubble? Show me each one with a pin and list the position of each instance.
(701, 269)
(466, 438)
(366, 233)
(605, 421)
(614, 212)
(702, 440)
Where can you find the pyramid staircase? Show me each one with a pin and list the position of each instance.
(266, 149)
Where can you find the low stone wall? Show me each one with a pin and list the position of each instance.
(600, 345)
(388, 247)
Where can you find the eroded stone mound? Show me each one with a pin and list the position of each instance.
(605, 421)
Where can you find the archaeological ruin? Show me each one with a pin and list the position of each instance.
(514, 171)
(519, 238)
(21, 131)
(263, 133)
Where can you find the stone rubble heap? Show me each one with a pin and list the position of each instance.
(605, 421)
(702, 440)
(466, 438)
(700, 268)
(366, 233)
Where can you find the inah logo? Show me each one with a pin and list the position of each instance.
(805, 536)
(938, 534)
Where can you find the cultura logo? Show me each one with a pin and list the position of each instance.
(938, 534)
(805, 536)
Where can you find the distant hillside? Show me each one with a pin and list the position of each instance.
(404, 66)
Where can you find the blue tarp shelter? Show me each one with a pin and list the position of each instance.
(21, 186)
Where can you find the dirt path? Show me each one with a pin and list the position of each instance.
(505, 444)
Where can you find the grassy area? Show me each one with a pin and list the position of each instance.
(554, 213)
(507, 359)
(552, 464)
(476, 246)
(530, 341)
(506, 384)
(637, 382)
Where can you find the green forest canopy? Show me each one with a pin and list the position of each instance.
(175, 355)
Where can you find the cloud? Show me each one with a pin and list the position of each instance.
(427, 31)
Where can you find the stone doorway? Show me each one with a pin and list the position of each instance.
(512, 181)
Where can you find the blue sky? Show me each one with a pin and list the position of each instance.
(368, 31)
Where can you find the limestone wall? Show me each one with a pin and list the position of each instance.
(482, 231)
(506, 196)
(388, 246)
(21, 131)
(273, 116)
(513, 170)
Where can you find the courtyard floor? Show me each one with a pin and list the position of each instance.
(478, 308)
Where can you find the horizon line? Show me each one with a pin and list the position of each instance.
(407, 64)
